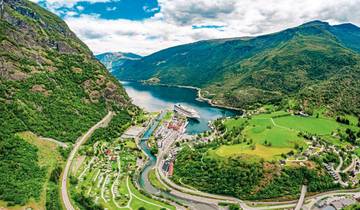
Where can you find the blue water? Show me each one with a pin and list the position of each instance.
(156, 98)
(143, 181)
(144, 174)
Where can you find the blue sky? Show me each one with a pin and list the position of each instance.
(112, 10)
(146, 26)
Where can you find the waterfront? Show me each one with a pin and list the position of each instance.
(151, 163)
(156, 98)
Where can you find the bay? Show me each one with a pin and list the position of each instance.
(154, 98)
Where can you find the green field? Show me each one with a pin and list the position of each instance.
(154, 181)
(260, 151)
(313, 125)
(140, 200)
(130, 144)
(263, 130)
(233, 123)
(276, 133)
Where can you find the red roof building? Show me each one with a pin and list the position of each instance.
(171, 169)
(108, 152)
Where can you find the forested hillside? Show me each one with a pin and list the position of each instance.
(301, 63)
(50, 84)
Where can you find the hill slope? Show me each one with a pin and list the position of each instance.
(50, 84)
(245, 72)
(114, 61)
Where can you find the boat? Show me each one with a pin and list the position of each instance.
(186, 111)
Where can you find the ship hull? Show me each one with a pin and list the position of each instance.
(187, 113)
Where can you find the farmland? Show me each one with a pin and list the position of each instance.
(266, 153)
(269, 135)
(280, 151)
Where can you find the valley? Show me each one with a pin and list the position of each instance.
(313, 64)
(298, 151)
(253, 123)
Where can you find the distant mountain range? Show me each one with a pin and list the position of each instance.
(114, 60)
(315, 63)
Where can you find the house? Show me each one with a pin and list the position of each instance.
(171, 169)
(165, 166)
(113, 158)
(108, 152)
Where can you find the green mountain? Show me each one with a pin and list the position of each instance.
(50, 84)
(313, 62)
(114, 60)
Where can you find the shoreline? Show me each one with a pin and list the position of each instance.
(198, 98)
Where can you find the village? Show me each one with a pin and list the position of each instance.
(170, 131)
(103, 175)
(105, 172)
(346, 170)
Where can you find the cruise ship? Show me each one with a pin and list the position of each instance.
(186, 111)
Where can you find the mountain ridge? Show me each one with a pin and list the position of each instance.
(287, 61)
(115, 60)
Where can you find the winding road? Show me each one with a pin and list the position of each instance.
(64, 192)
(352, 165)
(213, 200)
(210, 199)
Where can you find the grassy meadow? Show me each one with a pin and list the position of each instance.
(260, 151)
(154, 181)
(272, 134)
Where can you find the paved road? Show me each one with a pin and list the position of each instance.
(338, 169)
(79, 142)
(352, 165)
(302, 198)
(189, 194)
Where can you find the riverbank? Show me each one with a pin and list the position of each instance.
(145, 185)
(200, 97)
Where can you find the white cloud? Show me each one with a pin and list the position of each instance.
(54, 5)
(173, 24)
(68, 3)
(149, 9)
(125, 35)
(71, 13)
(111, 8)
(80, 8)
